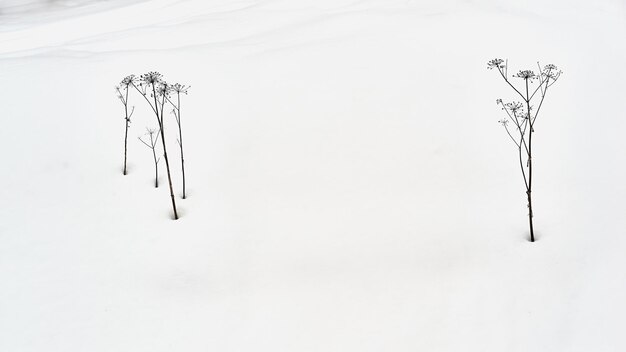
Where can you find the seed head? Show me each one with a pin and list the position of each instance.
(526, 74)
(127, 81)
(151, 77)
(514, 106)
(495, 63)
(163, 89)
(180, 88)
(551, 71)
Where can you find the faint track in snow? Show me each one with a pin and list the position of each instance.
(252, 25)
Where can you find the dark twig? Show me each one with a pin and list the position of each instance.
(158, 89)
(178, 89)
(122, 94)
(152, 133)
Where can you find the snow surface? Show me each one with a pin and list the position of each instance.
(349, 188)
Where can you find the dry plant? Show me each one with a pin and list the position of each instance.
(522, 115)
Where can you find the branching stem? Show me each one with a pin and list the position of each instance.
(524, 120)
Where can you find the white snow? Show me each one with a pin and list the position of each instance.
(349, 187)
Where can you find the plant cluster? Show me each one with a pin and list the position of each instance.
(158, 94)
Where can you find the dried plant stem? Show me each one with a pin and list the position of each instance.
(530, 170)
(524, 119)
(127, 116)
(176, 112)
(152, 146)
(180, 143)
(159, 117)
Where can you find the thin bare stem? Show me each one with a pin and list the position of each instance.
(513, 139)
(176, 111)
(124, 99)
(152, 146)
(524, 119)
(511, 85)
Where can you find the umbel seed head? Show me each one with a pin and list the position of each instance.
(526, 74)
(495, 63)
(514, 106)
(127, 81)
(163, 89)
(550, 67)
(180, 88)
(551, 71)
(151, 77)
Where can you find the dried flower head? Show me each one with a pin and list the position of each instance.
(504, 122)
(495, 63)
(514, 106)
(498, 101)
(151, 77)
(526, 74)
(180, 88)
(127, 81)
(550, 67)
(551, 71)
(163, 89)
